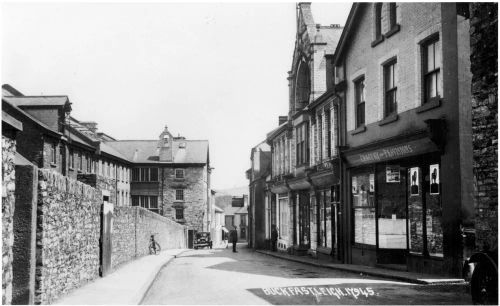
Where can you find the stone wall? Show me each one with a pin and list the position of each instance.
(484, 68)
(8, 204)
(68, 226)
(195, 200)
(132, 228)
(107, 186)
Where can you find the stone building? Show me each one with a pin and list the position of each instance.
(402, 75)
(484, 56)
(258, 208)
(234, 202)
(170, 176)
(304, 153)
(10, 127)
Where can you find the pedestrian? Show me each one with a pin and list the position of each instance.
(233, 236)
(226, 239)
(274, 238)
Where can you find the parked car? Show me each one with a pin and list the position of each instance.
(202, 239)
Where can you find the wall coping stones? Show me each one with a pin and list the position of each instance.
(49, 177)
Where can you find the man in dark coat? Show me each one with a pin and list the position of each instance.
(274, 238)
(233, 236)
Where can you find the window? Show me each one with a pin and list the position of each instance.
(392, 16)
(363, 202)
(53, 150)
(431, 68)
(145, 174)
(390, 89)
(328, 134)
(89, 163)
(80, 161)
(179, 213)
(71, 159)
(378, 21)
(148, 202)
(179, 173)
(179, 194)
(302, 145)
(339, 73)
(359, 86)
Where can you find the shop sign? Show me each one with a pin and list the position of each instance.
(414, 181)
(392, 174)
(407, 149)
(434, 173)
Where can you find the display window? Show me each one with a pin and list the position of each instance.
(363, 202)
(284, 217)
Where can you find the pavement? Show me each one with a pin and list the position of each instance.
(410, 277)
(125, 286)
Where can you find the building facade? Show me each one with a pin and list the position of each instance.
(407, 176)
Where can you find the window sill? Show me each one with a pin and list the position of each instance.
(392, 31)
(71, 169)
(433, 103)
(389, 119)
(53, 165)
(377, 41)
(359, 130)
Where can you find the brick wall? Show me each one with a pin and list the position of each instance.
(484, 63)
(68, 235)
(132, 228)
(195, 195)
(8, 203)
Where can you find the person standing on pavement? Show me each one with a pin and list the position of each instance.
(274, 238)
(233, 236)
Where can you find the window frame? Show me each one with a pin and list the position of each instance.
(301, 144)
(177, 210)
(71, 159)
(179, 195)
(424, 45)
(390, 67)
(357, 101)
(80, 161)
(53, 153)
(179, 171)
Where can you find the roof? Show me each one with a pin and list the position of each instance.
(37, 100)
(8, 90)
(218, 209)
(242, 211)
(147, 151)
(331, 35)
(21, 160)
(13, 122)
(350, 25)
(111, 151)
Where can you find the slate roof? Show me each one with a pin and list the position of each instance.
(147, 151)
(37, 100)
(331, 35)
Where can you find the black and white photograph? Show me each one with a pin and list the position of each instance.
(249, 153)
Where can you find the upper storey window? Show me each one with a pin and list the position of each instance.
(432, 69)
(359, 86)
(145, 174)
(377, 20)
(302, 146)
(391, 89)
(302, 86)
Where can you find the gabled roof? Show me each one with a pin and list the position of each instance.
(147, 151)
(37, 100)
(350, 25)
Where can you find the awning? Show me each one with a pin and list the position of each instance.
(225, 229)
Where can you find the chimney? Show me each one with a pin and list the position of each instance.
(282, 119)
(91, 125)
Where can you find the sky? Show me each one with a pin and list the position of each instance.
(214, 71)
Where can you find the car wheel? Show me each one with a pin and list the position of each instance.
(484, 284)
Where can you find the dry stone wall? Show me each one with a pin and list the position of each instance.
(8, 204)
(132, 228)
(68, 226)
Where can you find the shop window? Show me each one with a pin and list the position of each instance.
(325, 219)
(431, 54)
(363, 190)
(284, 216)
(390, 89)
(391, 216)
(359, 86)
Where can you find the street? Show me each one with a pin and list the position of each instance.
(219, 276)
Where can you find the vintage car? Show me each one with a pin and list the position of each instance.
(202, 239)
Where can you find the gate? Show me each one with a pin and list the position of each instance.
(105, 237)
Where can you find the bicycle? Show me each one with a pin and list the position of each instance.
(154, 247)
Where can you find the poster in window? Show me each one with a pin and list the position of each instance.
(434, 173)
(354, 185)
(372, 182)
(414, 181)
(392, 174)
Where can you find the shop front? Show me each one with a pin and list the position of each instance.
(301, 206)
(395, 204)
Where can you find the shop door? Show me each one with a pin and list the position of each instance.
(391, 215)
(304, 224)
